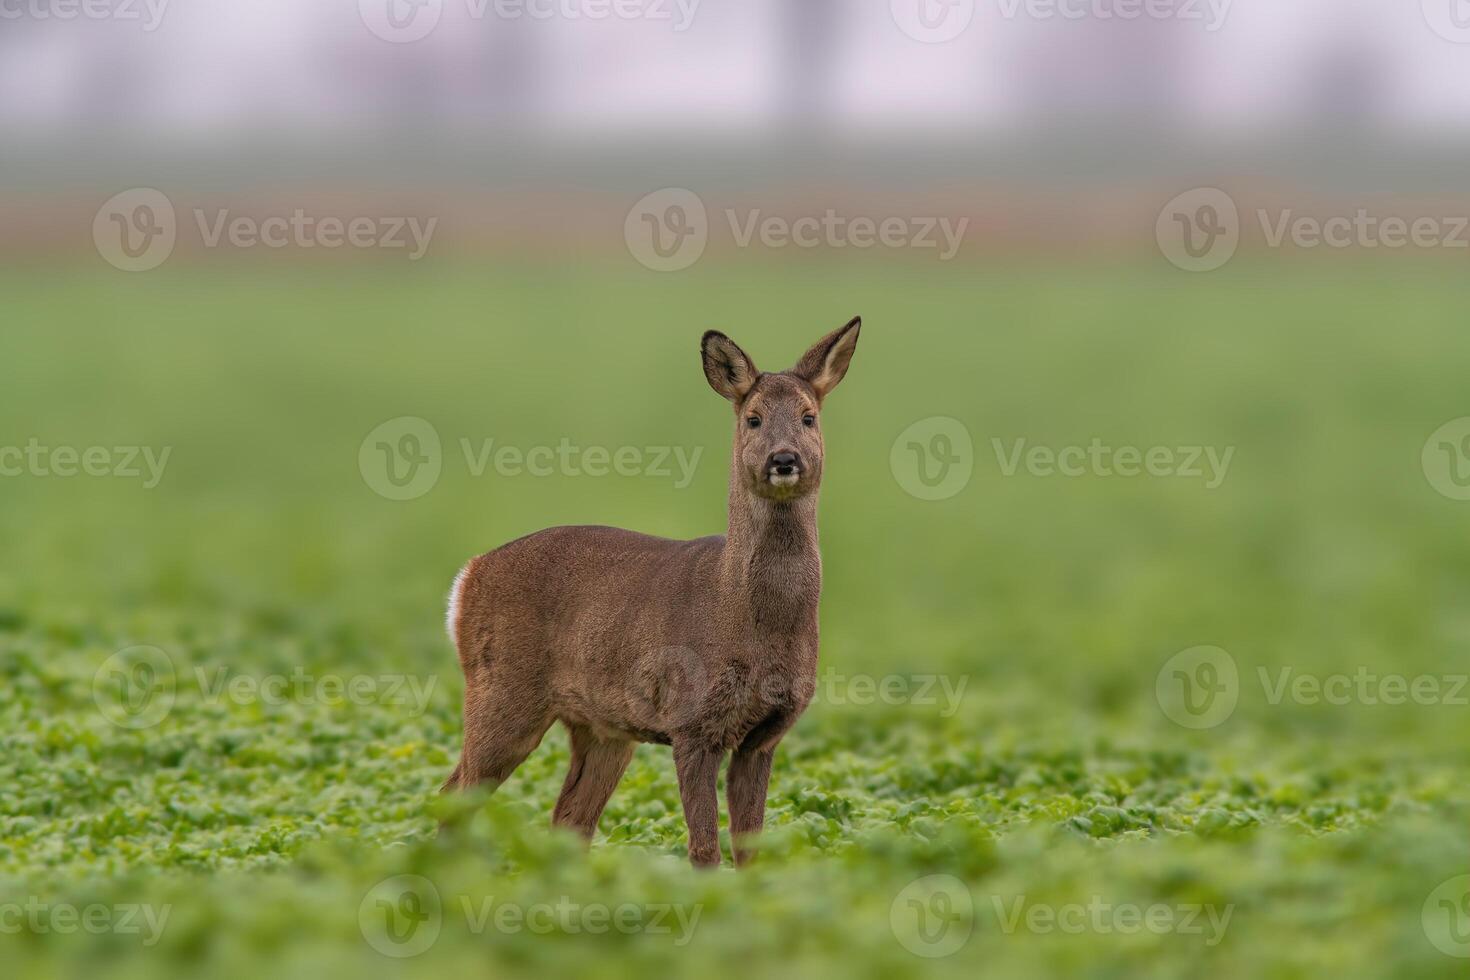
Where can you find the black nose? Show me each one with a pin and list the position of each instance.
(785, 464)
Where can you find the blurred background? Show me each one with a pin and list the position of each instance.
(1057, 126)
(1161, 382)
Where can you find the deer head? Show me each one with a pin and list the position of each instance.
(778, 426)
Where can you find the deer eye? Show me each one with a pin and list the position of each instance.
(754, 422)
(808, 420)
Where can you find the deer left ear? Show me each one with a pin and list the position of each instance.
(826, 363)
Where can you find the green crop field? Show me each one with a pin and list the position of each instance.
(1205, 720)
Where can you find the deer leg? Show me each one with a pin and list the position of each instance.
(699, 774)
(745, 795)
(501, 728)
(596, 767)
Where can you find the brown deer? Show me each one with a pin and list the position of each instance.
(708, 646)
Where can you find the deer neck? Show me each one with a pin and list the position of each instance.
(772, 568)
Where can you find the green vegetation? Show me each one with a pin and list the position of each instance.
(262, 810)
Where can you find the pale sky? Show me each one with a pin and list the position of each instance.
(215, 64)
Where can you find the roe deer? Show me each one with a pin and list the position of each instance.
(709, 646)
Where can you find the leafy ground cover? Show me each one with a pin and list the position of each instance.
(1025, 799)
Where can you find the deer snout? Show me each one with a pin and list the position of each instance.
(784, 463)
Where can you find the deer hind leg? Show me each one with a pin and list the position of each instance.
(452, 783)
(502, 725)
(597, 765)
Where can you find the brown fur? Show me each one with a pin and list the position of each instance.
(709, 645)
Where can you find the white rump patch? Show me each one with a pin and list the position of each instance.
(451, 616)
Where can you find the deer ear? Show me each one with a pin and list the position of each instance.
(826, 363)
(730, 370)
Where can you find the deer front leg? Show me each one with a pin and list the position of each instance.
(699, 773)
(745, 794)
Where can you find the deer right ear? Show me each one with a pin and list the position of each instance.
(730, 371)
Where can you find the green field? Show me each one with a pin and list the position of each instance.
(1021, 625)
